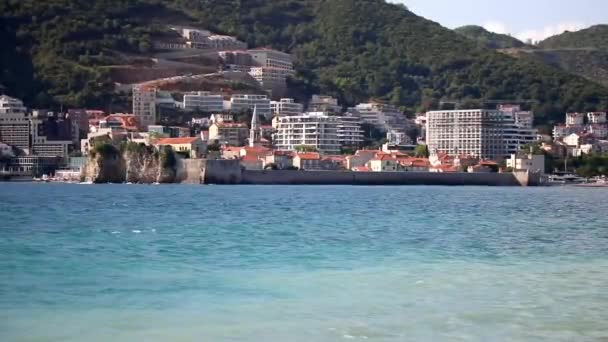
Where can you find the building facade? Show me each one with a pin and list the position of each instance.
(286, 107)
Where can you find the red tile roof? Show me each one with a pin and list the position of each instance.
(309, 156)
(361, 169)
(446, 168)
(175, 141)
(250, 158)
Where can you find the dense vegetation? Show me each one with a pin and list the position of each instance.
(592, 37)
(352, 49)
(489, 39)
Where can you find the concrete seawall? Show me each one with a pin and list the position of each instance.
(381, 178)
(230, 172)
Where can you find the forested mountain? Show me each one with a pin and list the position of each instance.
(489, 39)
(354, 49)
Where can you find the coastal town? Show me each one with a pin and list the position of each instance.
(265, 130)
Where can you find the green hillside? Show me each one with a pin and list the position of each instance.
(353, 49)
(489, 39)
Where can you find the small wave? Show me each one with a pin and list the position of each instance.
(136, 231)
(115, 232)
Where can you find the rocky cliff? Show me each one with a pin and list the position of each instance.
(130, 163)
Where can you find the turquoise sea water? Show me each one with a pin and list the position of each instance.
(302, 263)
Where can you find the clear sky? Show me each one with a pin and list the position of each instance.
(534, 19)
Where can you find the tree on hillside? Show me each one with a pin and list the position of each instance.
(421, 151)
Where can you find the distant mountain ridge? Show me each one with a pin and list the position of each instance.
(59, 52)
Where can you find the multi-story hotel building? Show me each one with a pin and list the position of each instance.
(319, 130)
(487, 134)
(203, 101)
(144, 105)
(286, 107)
(241, 102)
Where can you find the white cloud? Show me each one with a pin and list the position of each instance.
(496, 27)
(549, 30)
(534, 34)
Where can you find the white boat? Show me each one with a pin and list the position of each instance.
(562, 179)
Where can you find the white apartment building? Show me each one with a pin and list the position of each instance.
(575, 119)
(322, 103)
(475, 132)
(383, 116)
(242, 102)
(596, 117)
(271, 58)
(349, 131)
(286, 107)
(312, 129)
(144, 105)
(203, 101)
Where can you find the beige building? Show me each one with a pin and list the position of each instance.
(527, 162)
(384, 163)
(193, 146)
(307, 161)
(229, 133)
